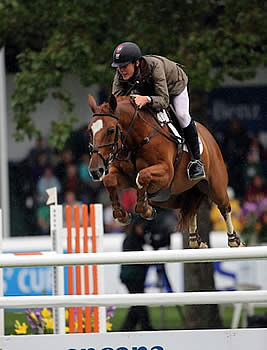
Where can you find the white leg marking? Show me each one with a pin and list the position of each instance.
(137, 182)
(193, 224)
(229, 225)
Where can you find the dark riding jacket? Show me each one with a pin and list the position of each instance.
(157, 77)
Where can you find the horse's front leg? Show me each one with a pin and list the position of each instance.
(160, 175)
(111, 182)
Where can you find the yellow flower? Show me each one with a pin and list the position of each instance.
(66, 314)
(67, 329)
(49, 323)
(33, 316)
(45, 313)
(20, 328)
(109, 326)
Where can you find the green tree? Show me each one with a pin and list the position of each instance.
(211, 38)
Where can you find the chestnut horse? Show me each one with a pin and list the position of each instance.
(129, 149)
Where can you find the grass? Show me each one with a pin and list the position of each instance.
(163, 318)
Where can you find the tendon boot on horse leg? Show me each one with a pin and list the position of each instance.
(195, 168)
(142, 206)
(194, 238)
(233, 237)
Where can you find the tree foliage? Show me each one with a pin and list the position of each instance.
(211, 38)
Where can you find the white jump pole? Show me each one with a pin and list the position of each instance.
(56, 229)
(100, 269)
(2, 324)
(147, 257)
(118, 300)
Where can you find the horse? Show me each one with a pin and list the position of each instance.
(128, 148)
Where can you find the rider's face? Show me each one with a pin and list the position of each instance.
(127, 71)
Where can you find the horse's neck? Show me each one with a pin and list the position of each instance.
(133, 130)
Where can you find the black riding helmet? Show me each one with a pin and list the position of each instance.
(125, 53)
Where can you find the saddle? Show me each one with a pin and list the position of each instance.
(168, 117)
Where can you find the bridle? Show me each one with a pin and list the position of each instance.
(115, 144)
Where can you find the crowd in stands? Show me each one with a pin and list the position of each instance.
(244, 154)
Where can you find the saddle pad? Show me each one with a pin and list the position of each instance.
(185, 149)
(164, 120)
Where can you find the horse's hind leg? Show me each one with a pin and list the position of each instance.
(194, 238)
(233, 237)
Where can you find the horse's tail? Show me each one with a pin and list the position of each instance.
(189, 205)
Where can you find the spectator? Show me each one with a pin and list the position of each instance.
(254, 211)
(71, 199)
(36, 151)
(43, 219)
(46, 181)
(157, 234)
(250, 169)
(71, 179)
(38, 168)
(256, 191)
(234, 151)
(66, 159)
(133, 276)
(256, 149)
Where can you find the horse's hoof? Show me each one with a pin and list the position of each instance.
(124, 221)
(193, 244)
(152, 216)
(203, 245)
(236, 244)
(234, 241)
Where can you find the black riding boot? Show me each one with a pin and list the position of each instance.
(195, 168)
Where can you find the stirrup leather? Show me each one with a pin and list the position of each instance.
(190, 164)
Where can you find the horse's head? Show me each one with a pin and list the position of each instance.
(104, 137)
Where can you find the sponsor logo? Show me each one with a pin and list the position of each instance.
(155, 347)
(119, 48)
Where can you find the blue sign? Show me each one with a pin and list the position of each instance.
(247, 104)
(21, 281)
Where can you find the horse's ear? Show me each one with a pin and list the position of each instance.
(113, 102)
(92, 103)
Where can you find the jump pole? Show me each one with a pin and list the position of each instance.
(2, 324)
(140, 257)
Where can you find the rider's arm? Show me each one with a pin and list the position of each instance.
(161, 98)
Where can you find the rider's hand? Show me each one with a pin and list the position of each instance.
(140, 101)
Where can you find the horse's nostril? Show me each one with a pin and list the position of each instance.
(97, 173)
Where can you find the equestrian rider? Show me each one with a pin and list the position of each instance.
(155, 81)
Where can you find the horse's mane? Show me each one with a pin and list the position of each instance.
(104, 107)
(124, 100)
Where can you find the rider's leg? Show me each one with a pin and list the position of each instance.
(195, 168)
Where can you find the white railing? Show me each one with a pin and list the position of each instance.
(118, 300)
(147, 257)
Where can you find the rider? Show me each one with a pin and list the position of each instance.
(155, 80)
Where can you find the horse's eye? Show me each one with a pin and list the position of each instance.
(110, 131)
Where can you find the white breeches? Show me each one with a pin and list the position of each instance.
(181, 106)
